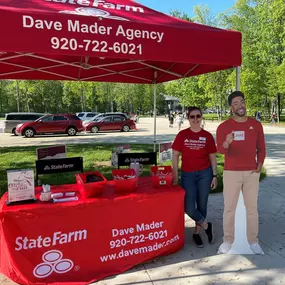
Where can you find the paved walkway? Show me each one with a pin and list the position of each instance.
(202, 266)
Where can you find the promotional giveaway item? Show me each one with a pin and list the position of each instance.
(118, 149)
(126, 180)
(90, 184)
(60, 197)
(165, 152)
(161, 176)
(20, 185)
(45, 194)
(136, 167)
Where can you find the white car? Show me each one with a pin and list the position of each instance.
(86, 116)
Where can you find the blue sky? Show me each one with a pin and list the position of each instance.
(186, 6)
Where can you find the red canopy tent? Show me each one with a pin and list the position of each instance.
(112, 41)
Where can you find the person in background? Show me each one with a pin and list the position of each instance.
(198, 171)
(171, 119)
(179, 120)
(257, 116)
(203, 123)
(273, 118)
(241, 140)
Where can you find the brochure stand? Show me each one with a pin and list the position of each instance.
(240, 245)
(21, 189)
(21, 202)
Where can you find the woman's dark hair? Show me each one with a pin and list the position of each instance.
(193, 108)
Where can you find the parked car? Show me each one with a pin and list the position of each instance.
(111, 123)
(13, 119)
(60, 124)
(102, 115)
(209, 111)
(85, 116)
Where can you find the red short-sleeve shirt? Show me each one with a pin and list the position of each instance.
(195, 149)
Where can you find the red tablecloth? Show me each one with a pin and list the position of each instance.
(87, 240)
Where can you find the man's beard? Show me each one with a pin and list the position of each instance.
(240, 115)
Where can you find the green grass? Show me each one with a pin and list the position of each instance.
(95, 157)
(214, 117)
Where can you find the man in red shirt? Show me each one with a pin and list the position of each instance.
(241, 140)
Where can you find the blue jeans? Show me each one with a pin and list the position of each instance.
(197, 185)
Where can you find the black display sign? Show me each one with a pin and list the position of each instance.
(49, 166)
(145, 158)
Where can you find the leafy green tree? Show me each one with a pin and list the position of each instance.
(73, 97)
(205, 90)
(4, 95)
(203, 15)
(180, 15)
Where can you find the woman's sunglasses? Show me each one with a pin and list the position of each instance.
(193, 116)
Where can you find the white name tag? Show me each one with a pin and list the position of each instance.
(202, 139)
(239, 135)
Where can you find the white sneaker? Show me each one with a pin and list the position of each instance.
(256, 249)
(224, 248)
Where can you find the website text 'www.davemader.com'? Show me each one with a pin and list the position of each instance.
(140, 250)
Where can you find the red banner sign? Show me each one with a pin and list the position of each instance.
(51, 152)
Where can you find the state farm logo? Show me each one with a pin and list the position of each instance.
(94, 12)
(52, 262)
(59, 166)
(98, 5)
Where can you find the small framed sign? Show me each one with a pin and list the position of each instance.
(51, 152)
(21, 186)
(165, 152)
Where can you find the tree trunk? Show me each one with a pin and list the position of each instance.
(82, 98)
(278, 109)
(18, 96)
(1, 100)
(27, 99)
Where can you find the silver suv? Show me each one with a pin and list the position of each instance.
(13, 119)
(103, 115)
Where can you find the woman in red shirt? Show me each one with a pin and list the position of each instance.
(198, 171)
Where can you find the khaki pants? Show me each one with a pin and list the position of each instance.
(248, 182)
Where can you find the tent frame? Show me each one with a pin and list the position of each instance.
(83, 64)
(105, 67)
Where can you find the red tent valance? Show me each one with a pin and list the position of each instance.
(112, 40)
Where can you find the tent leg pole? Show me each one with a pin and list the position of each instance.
(238, 78)
(154, 110)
